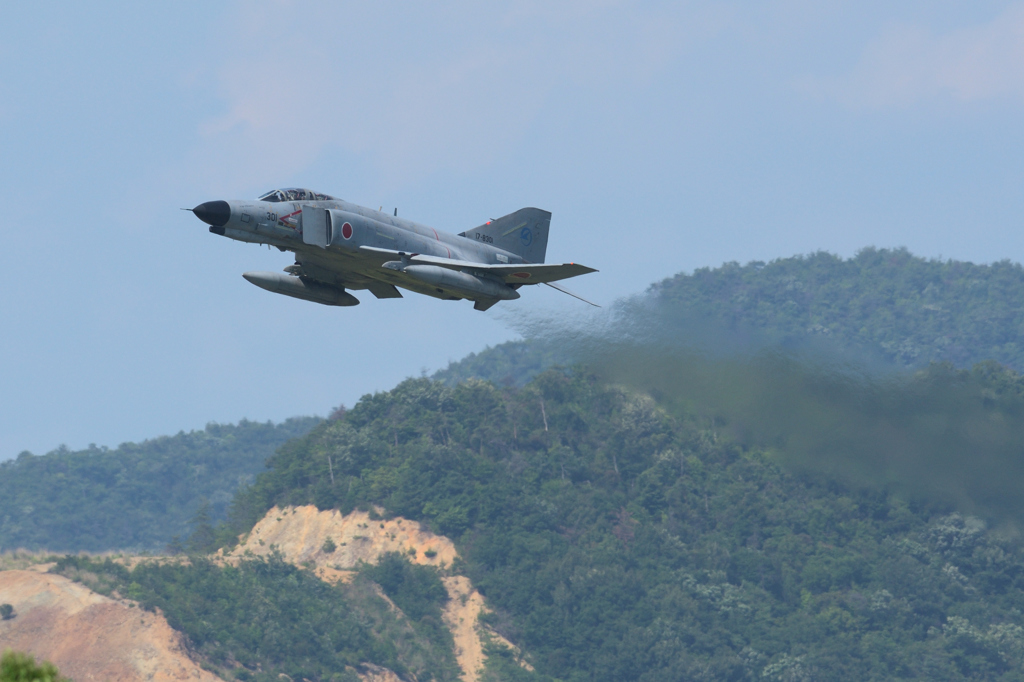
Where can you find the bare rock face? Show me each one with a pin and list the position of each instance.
(300, 534)
(91, 637)
(462, 615)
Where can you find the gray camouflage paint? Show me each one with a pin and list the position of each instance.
(341, 246)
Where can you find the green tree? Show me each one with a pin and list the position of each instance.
(273, 618)
(415, 589)
(203, 538)
(19, 667)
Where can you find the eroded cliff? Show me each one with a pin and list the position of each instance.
(301, 533)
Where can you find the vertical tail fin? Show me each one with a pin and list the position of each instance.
(524, 233)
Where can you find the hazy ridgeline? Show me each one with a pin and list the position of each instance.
(884, 306)
(137, 496)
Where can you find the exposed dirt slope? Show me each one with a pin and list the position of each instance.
(299, 533)
(88, 636)
(92, 637)
(461, 615)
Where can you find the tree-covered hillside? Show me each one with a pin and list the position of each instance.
(618, 540)
(137, 496)
(264, 620)
(512, 363)
(909, 310)
(882, 303)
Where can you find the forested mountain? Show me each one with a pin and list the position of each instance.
(887, 303)
(657, 513)
(909, 310)
(883, 303)
(622, 540)
(137, 496)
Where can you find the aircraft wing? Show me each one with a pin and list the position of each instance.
(531, 273)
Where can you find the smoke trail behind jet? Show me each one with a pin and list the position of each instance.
(947, 435)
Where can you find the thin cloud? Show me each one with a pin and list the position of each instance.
(910, 64)
(416, 90)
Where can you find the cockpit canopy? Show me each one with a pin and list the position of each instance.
(294, 194)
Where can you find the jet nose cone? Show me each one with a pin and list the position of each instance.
(214, 213)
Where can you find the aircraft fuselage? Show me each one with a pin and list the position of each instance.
(341, 261)
(339, 245)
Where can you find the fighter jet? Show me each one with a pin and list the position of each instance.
(340, 246)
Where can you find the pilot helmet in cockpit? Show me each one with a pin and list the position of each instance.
(294, 194)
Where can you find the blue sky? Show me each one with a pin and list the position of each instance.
(663, 137)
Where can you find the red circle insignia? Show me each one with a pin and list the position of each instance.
(346, 231)
(521, 275)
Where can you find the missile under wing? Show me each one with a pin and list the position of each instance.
(341, 247)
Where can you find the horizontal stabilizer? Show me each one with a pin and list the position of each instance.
(534, 273)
